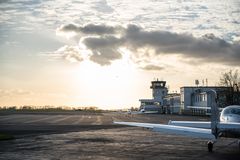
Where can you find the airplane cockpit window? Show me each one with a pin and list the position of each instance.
(226, 111)
(235, 111)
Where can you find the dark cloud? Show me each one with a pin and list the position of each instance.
(105, 56)
(69, 28)
(205, 49)
(152, 67)
(104, 49)
(3, 1)
(102, 42)
(99, 29)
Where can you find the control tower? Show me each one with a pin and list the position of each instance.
(154, 105)
(159, 90)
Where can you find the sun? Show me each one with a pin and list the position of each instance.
(102, 85)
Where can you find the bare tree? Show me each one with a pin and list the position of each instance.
(230, 79)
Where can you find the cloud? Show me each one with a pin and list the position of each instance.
(107, 40)
(104, 49)
(3, 1)
(102, 6)
(14, 92)
(99, 29)
(70, 53)
(152, 67)
(207, 48)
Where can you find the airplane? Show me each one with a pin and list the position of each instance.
(226, 125)
(142, 111)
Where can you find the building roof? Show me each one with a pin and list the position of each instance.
(205, 87)
(172, 95)
(149, 100)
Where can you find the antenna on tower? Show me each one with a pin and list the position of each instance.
(206, 82)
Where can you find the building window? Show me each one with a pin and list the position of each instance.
(197, 98)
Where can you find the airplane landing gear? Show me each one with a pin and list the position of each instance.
(210, 146)
(239, 144)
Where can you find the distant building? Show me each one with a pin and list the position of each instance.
(171, 103)
(159, 91)
(192, 98)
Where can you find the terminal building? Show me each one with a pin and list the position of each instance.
(171, 103)
(155, 105)
(197, 100)
(194, 100)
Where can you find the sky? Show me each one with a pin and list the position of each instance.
(105, 53)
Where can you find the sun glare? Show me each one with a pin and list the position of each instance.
(92, 80)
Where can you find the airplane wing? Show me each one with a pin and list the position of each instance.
(228, 129)
(194, 124)
(206, 125)
(179, 130)
(228, 125)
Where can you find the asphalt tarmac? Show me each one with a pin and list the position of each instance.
(81, 135)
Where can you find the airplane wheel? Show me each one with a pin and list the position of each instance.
(210, 146)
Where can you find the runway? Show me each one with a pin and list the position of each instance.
(93, 136)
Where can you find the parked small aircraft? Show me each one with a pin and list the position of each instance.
(225, 125)
(142, 111)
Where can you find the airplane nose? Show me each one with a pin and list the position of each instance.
(222, 119)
